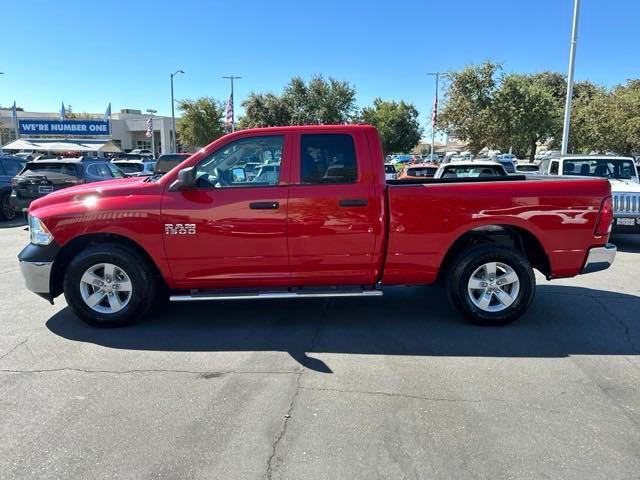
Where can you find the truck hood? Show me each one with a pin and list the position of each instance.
(108, 188)
(624, 186)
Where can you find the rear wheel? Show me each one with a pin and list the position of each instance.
(108, 285)
(6, 210)
(491, 285)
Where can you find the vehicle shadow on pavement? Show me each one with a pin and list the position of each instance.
(16, 222)
(563, 321)
(626, 243)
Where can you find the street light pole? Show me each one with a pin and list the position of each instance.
(173, 115)
(233, 112)
(572, 60)
(434, 114)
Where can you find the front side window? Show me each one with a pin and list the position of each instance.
(248, 162)
(327, 158)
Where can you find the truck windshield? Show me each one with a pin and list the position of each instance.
(607, 168)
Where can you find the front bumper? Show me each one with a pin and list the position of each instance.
(600, 258)
(36, 265)
(20, 204)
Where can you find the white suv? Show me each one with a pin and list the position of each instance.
(622, 175)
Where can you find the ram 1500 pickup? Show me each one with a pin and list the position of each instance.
(312, 217)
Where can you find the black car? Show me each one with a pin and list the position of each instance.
(43, 176)
(167, 161)
(10, 166)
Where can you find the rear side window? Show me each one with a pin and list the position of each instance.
(114, 171)
(37, 168)
(553, 170)
(327, 158)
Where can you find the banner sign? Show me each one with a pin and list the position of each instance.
(63, 127)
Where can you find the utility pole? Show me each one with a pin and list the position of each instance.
(233, 113)
(572, 62)
(434, 114)
(173, 115)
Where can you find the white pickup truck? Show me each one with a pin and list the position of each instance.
(622, 175)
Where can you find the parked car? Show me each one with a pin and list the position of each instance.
(418, 171)
(508, 161)
(528, 167)
(622, 174)
(328, 225)
(472, 169)
(10, 166)
(41, 177)
(143, 152)
(390, 172)
(133, 168)
(168, 161)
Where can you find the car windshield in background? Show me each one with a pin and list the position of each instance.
(42, 168)
(130, 167)
(606, 168)
(471, 172)
(421, 172)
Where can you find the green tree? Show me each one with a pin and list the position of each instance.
(526, 110)
(469, 105)
(318, 102)
(397, 123)
(201, 121)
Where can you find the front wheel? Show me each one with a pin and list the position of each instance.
(108, 285)
(491, 285)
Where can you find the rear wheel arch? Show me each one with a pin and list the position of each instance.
(70, 249)
(509, 236)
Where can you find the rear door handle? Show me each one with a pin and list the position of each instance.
(264, 205)
(354, 202)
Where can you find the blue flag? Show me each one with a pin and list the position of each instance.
(63, 112)
(107, 113)
(14, 114)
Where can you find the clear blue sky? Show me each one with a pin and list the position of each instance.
(89, 53)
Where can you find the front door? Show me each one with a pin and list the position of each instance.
(230, 231)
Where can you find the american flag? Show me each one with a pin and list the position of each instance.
(434, 116)
(229, 112)
(149, 123)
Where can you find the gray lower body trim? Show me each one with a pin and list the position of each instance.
(600, 258)
(274, 295)
(37, 276)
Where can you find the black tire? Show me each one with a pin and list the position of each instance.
(6, 210)
(467, 262)
(144, 285)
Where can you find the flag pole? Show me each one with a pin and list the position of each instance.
(434, 114)
(233, 113)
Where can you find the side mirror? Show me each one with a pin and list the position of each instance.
(239, 175)
(186, 179)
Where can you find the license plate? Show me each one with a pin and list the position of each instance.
(626, 221)
(45, 188)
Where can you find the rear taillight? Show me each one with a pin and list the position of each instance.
(605, 217)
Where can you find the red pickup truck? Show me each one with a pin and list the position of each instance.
(294, 212)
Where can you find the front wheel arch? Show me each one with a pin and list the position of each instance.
(70, 249)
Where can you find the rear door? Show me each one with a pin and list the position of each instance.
(334, 214)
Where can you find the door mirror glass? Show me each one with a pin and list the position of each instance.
(239, 175)
(186, 179)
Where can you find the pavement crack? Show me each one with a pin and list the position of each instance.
(15, 347)
(292, 403)
(619, 321)
(394, 394)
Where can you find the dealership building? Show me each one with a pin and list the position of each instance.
(86, 133)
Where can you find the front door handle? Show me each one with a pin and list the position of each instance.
(264, 205)
(354, 202)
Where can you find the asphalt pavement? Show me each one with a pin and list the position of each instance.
(397, 387)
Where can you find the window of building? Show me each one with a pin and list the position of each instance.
(248, 162)
(327, 158)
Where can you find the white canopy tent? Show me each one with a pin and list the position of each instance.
(61, 145)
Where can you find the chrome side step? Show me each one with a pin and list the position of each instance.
(197, 296)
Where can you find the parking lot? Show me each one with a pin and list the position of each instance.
(395, 387)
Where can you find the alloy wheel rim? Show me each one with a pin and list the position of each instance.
(493, 287)
(106, 288)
